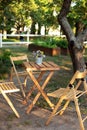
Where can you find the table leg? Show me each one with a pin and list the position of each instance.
(40, 91)
(33, 88)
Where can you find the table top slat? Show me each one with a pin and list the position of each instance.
(53, 64)
(45, 66)
(32, 64)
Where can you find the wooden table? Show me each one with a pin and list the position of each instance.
(47, 68)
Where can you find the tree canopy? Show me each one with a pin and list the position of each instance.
(24, 12)
(71, 16)
(20, 13)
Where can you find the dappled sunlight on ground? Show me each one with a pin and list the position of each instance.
(36, 119)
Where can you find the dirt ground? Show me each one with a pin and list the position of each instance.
(36, 119)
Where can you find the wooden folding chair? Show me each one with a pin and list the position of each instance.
(70, 93)
(9, 87)
(19, 71)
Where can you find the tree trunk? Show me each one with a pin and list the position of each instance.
(74, 43)
(33, 30)
(76, 57)
(39, 28)
(79, 28)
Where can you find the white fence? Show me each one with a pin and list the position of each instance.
(15, 42)
(19, 41)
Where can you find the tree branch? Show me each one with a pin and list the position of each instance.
(62, 18)
(65, 8)
(82, 36)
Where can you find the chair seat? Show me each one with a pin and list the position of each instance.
(8, 87)
(66, 93)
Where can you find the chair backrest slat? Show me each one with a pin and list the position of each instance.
(19, 58)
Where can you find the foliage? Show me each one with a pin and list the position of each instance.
(77, 16)
(38, 53)
(5, 17)
(43, 15)
(19, 14)
(62, 43)
(44, 41)
(4, 62)
(51, 42)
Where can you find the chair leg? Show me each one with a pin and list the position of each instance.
(11, 74)
(65, 106)
(54, 111)
(79, 114)
(85, 86)
(10, 103)
(25, 81)
(10, 77)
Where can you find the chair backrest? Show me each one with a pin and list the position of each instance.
(18, 58)
(77, 79)
(21, 59)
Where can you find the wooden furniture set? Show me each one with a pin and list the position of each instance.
(70, 93)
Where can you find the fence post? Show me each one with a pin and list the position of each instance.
(0, 40)
(27, 38)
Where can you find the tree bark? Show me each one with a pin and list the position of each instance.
(74, 43)
(33, 30)
(79, 28)
(39, 28)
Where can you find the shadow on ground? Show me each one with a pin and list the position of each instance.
(36, 119)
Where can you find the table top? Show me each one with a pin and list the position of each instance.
(32, 66)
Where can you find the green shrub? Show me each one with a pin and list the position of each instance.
(45, 42)
(62, 43)
(5, 63)
(51, 42)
